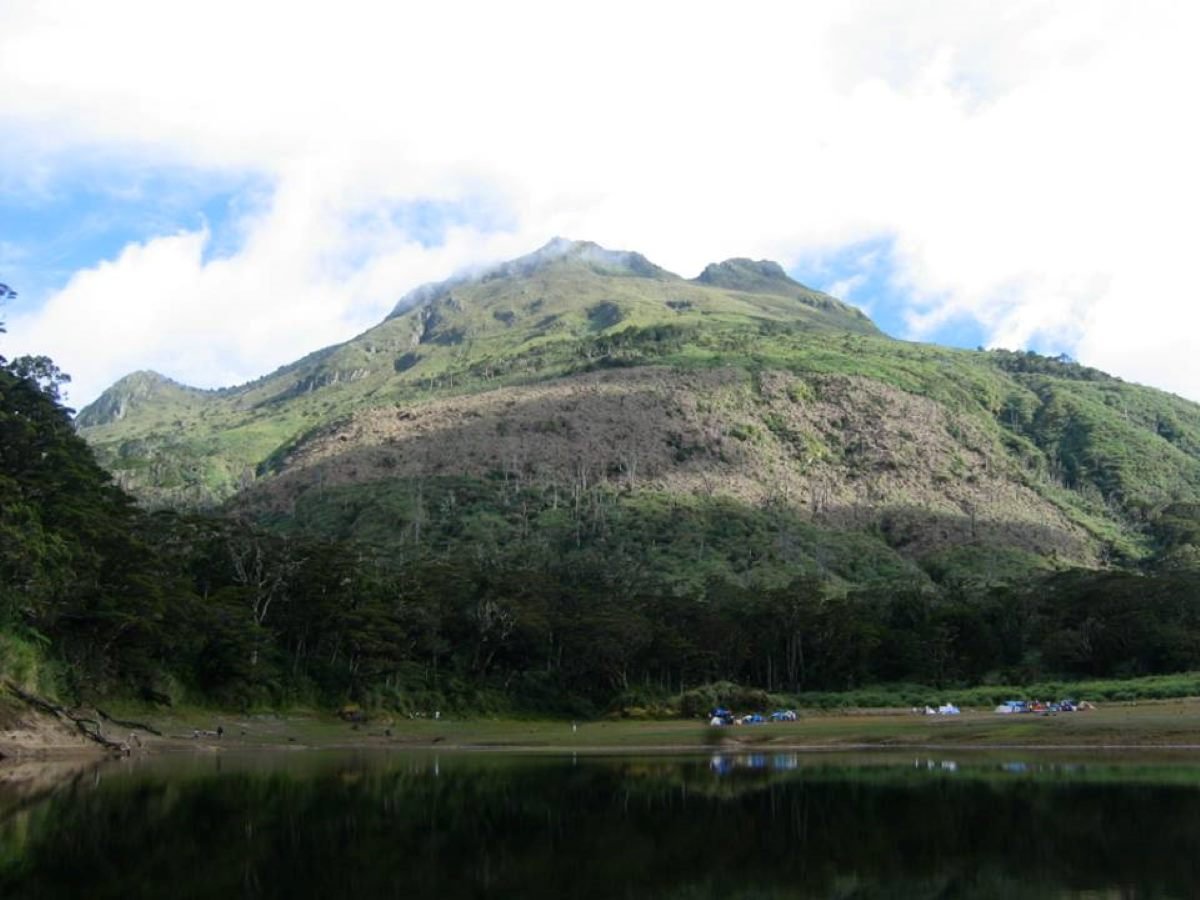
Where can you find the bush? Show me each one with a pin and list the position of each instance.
(644, 703)
(22, 662)
(700, 701)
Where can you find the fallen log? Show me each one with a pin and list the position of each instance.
(126, 723)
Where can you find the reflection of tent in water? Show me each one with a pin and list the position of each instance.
(723, 765)
(720, 764)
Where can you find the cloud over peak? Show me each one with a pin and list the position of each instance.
(1031, 167)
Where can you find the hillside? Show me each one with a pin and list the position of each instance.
(581, 397)
(564, 307)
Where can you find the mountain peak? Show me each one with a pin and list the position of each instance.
(558, 251)
(561, 248)
(741, 274)
(134, 389)
(144, 380)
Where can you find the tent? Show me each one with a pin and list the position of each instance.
(1009, 707)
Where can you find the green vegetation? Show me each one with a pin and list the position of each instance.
(68, 554)
(580, 483)
(177, 445)
(483, 596)
(666, 542)
(1056, 439)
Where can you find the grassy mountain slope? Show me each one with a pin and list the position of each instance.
(581, 382)
(522, 321)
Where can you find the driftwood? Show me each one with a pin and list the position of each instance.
(89, 728)
(125, 723)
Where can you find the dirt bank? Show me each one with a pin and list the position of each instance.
(28, 733)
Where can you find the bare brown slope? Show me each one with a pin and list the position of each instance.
(850, 451)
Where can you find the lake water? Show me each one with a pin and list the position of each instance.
(482, 825)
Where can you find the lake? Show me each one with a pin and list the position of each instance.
(476, 825)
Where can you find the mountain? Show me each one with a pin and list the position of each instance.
(140, 390)
(736, 425)
(567, 306)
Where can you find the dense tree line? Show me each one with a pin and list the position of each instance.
(1030, 362)
(164, 605)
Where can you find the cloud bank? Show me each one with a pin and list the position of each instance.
(1030, 166)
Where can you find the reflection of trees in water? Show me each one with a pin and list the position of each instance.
(598, 829)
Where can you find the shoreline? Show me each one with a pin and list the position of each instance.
(28, 735)
(56, 756)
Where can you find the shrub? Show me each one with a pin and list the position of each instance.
(700, 701)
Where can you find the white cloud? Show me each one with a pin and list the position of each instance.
(1033, 163)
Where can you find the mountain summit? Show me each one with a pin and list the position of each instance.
(558, 253)
(136, 390)
(749, 275)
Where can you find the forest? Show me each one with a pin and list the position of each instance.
(100, 598)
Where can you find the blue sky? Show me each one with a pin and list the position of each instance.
(213, 202)
(85, 214)
(867, 275)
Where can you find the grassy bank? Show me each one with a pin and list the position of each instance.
(1140, 713)
(1158, 724)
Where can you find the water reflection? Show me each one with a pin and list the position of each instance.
(759, 825)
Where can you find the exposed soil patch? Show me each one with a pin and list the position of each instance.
(25, 732)
(849, 451)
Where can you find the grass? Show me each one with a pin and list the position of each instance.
(1147, 725)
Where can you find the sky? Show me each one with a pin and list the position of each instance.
(212, 190)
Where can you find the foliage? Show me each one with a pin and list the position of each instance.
(1062, 366)
(901, 695)
(506, 599)
(67, 554)
(668, 542)
(23, 662)
(511, 593)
